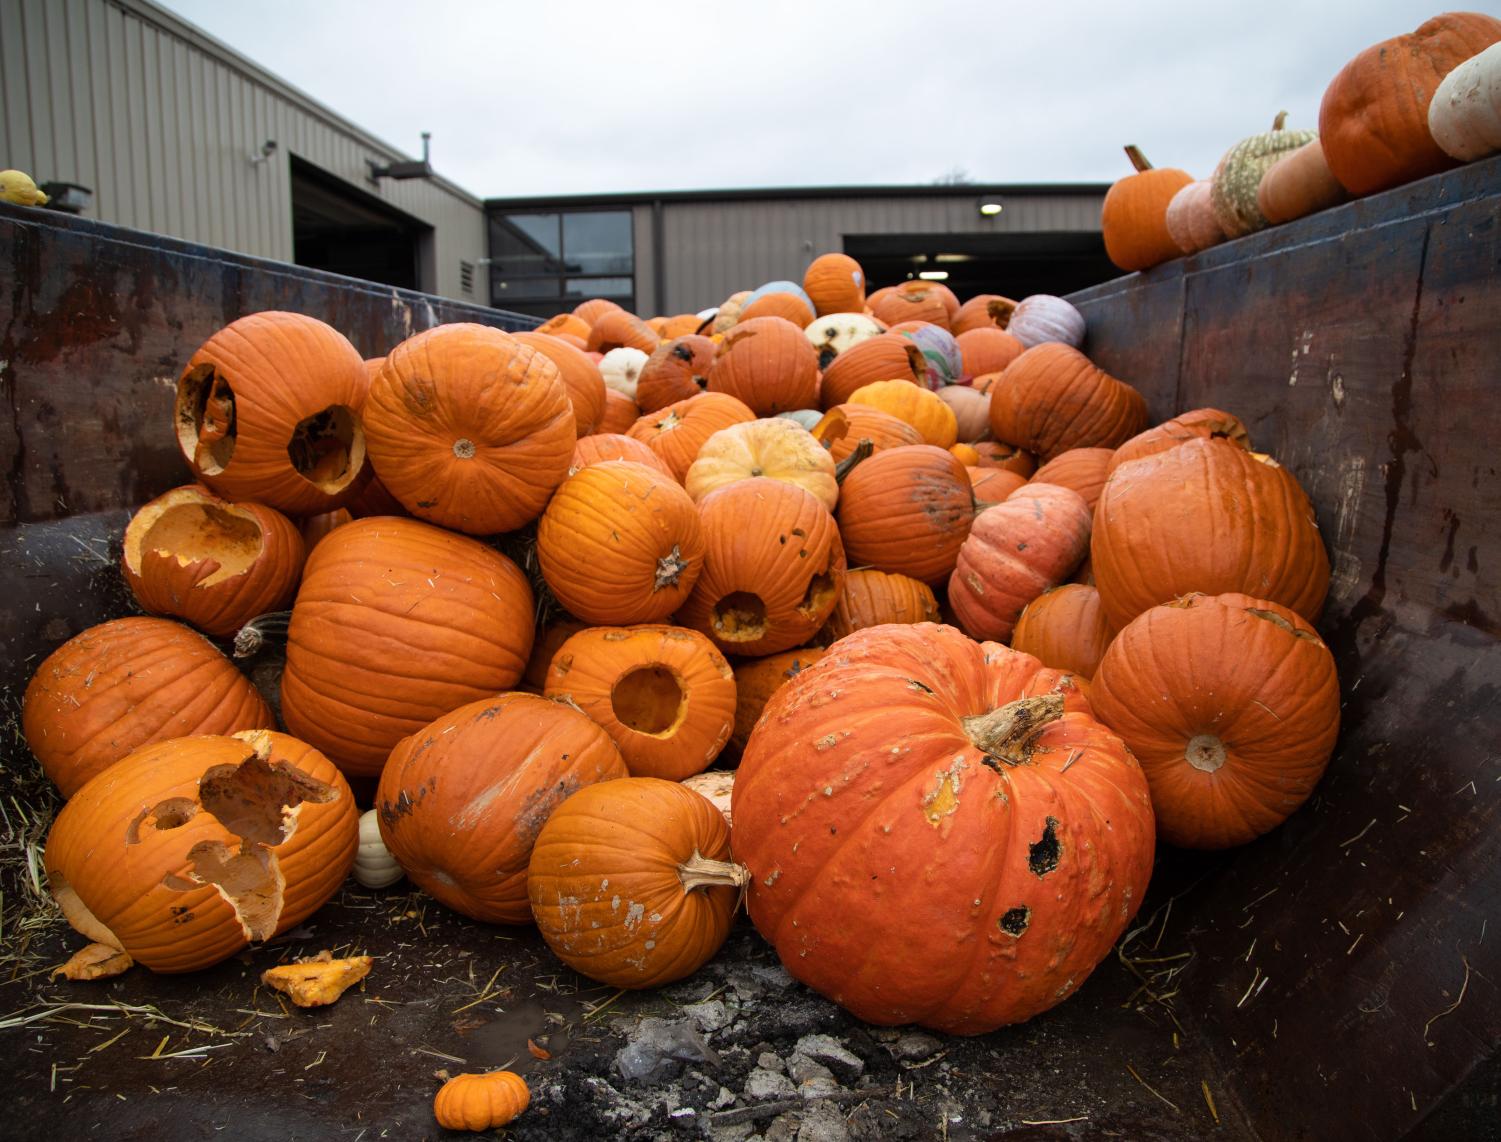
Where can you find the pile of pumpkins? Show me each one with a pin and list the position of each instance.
(978, 634)
(1401, 110)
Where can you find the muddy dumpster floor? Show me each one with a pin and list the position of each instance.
(215, 1054)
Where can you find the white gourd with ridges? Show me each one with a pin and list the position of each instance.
(1464, 117)
(374, 866)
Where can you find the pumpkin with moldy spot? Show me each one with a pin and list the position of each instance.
(676, 370)
(631, 882)
(1232, 190)
(906, 510)
(189, 849)
(462, 800)
(1231, 704)
(664, 695)
(833, 334)
(914, 792)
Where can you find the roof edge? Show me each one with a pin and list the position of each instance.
(646, 197)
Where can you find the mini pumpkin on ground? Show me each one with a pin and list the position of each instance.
(481, 1101)
(631, 882)
(664, 695)
(1231, 704)
(462, 800)
(914, 792)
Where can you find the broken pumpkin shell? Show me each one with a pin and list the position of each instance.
(318, 981)
(187, 850)
(631, 882)
(267, 411)
(481, 1102)
(212, 563)
(128, 683)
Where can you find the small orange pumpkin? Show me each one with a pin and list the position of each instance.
(664, 695)
(835, 283)
(1065, 628)
(872, 597)
(481, 1102)
(1133, 219)
(631, 882)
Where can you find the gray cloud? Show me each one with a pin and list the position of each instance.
(585, 97)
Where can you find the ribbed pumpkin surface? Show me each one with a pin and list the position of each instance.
(580, 377)
(888, 357)
(889, 815)
(906, 510)
(607, 888)
(676, 370)
(1081, 470)
(1065, 628)
(871, 598)
(397, 621)
(127, 683)
(769, 364)
(1197, 423)
(481, 1102)
(677, 432)
(1052, 398)
(188, 849)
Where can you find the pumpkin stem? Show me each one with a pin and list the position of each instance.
(698, 871)
(251, 637)
(669, 567)
(847, 465)
(1280, 121)
(1000, 310)
(1009, 733)
(1138, 160)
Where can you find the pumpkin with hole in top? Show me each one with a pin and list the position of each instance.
(267, 412)
(983, 311)
(397, 621)
(462, 800)
(906, 511)
(773, 567)
(768, 364)
(631, 882)
(664, 695)
(775, 448)
(1150, 527)
(1231, 704)
(189, 849)
(1065, 628)
(914, 792)
(212, 563)
(620, 543)
(481, 1102)
(125, 684)
(469, 428)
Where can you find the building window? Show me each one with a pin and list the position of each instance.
(542, 263)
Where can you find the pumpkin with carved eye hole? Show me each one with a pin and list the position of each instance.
(676, 370)
(887, 357)
(481, 1102)
(268, 412)
(631, 882)
(1231, 704)
(914, 792)
(187, 850)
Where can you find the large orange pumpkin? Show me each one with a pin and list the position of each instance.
(835, 283)
(773, 567)
(677, 432)
(906, 510)
(1206, 516)
(397, 621)
(631, 882)
(580, 377)
(1192, 425)
(676, 370)
(469, 428)
(267, 412)
(129, 683)
(914, 792)
(461, 801)
(872, 598)
(210, 562)
(1231, 704)
(1053, 398)
(664, 695)
(1014, 552)
(757, 679)
(889, 357)
(1373, 121)
(767, 363)
(1065, 628)
(189, 849)
(620, 543)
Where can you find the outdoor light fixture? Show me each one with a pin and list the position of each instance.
(934, 275)
(268, 148)
(407, 169)
(989, 209)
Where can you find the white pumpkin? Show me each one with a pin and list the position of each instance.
(1464, 116)
(1043, 317)
(374, 866)
(718, 785)
(833, 334)
(621, 368)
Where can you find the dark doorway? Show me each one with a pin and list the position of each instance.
(1013, 265)
(338, 228)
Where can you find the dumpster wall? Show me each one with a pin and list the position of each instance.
(1343, 968)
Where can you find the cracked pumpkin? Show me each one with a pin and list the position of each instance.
(938, 831)
(187, 850)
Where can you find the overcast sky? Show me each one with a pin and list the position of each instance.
(580, 96)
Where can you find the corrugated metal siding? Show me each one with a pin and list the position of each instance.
(715, 248)
(160, 122)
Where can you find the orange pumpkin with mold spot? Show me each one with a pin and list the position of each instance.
(189, 849)
(676, 370)
(1018, 826)
(907, 510)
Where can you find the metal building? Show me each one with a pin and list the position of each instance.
(685, 251)
(171, 131)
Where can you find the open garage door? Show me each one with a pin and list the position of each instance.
(1013, 265)
(338, 228)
